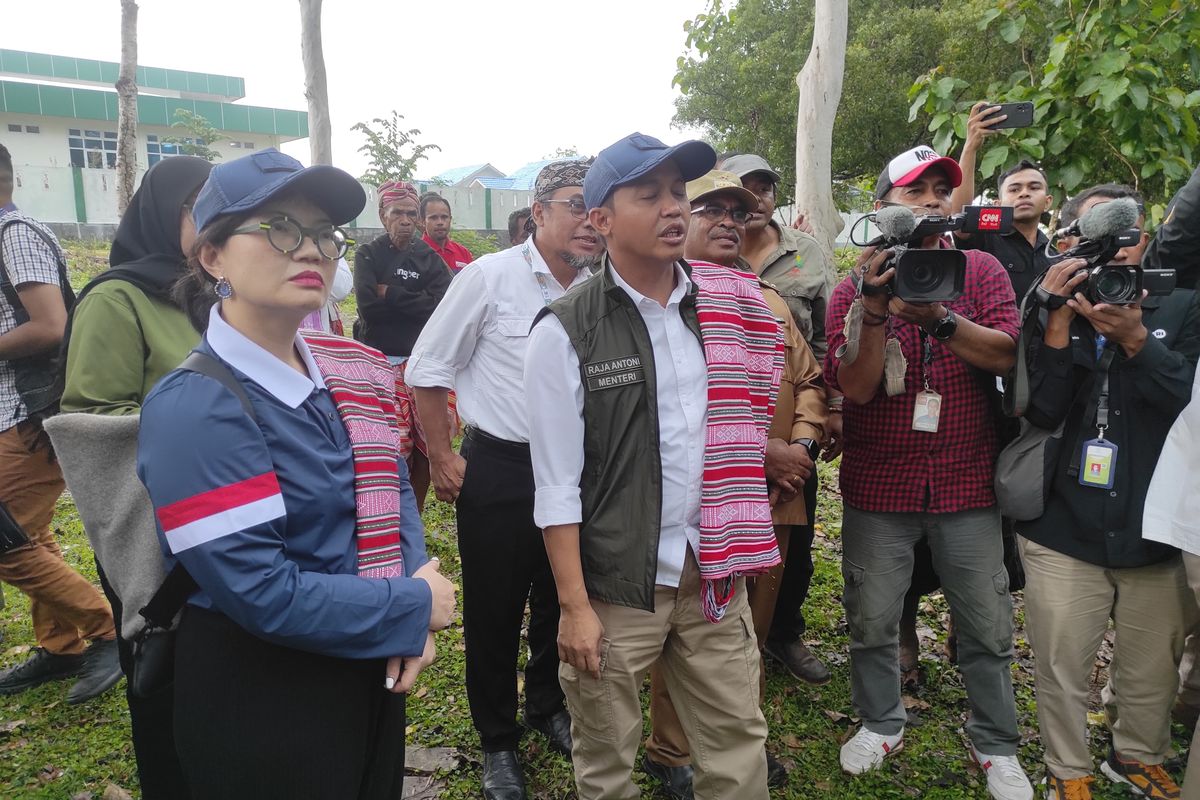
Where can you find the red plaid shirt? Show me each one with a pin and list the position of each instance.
(889, 467)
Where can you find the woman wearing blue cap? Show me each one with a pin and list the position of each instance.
(272, 463)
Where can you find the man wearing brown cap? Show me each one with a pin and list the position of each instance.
(399, 280)
(475, 344)
(720, 207)
(794, 264)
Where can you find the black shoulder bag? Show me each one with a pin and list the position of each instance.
(154, 646)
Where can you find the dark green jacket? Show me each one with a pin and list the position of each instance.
(621, 485)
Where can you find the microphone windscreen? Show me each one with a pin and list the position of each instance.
(1108, 219)
(896, 222)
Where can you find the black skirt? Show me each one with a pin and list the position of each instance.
(259, 721)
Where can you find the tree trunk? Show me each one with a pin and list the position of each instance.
(127, 162)
(320, 136)
(820, 83)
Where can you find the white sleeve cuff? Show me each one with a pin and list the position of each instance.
(425, 372)
(557, 505)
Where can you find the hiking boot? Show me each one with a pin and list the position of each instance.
(799, 661)
(101, 671)
(777, 773)
(42, 666)
(1148, 780)
(1069, 788)
(1005, 778)
(675, 781)
(867, 750)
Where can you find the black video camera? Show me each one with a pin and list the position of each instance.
(1117, 284)
(931, 276)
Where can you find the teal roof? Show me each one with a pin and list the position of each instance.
(42, 65)
(62, 101)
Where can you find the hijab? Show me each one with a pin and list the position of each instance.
(146, 251)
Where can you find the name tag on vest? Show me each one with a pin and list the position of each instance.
(614, 373)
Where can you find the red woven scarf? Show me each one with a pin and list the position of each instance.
(362, 386)
(744, 350)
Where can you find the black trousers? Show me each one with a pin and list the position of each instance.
(788, 623)
(258, 721)
(504, 565)
(152, 720)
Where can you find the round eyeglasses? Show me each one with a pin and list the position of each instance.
(718, 213)
(286, 235)
(577, 207)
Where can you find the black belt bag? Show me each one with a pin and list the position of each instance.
(12, 535)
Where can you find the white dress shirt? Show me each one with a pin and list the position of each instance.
(475, 341)
(277, 377)
(555, 408)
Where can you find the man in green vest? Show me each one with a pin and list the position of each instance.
(617, 386)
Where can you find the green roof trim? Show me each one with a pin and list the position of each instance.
(62, 101)
(43, 65)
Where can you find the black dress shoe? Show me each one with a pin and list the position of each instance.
(777, 773)
(101, 671)
(556, 728)
(41, 667)
(502, 777)
(676, 781)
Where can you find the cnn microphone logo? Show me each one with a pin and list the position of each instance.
(990, 219)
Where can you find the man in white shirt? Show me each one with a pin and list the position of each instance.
(619, 463)
(475, 344)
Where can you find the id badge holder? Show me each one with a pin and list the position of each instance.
(927, 411)
(1098, 464)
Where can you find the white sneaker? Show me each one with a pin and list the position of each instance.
(1005, 778)
(867, 750)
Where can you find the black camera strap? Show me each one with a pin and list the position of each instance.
(1097, 407)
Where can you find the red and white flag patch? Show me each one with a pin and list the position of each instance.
(222, 511)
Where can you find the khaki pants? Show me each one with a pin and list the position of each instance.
(66, 608)
(712, 672)
(1068, 604)
(667, 743)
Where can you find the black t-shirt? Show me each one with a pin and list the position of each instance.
(1024, 264)
(416, 279)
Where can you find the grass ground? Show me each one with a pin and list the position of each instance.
(51, 750)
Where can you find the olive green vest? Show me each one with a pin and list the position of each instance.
(621, 486)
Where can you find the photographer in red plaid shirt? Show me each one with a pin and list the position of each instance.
(920, 445)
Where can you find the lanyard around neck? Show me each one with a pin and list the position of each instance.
(543, 284)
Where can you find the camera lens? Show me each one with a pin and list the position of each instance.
(1113, 285)
(923, 277)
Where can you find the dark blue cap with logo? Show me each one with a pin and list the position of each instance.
(637, 154)
(247, 183)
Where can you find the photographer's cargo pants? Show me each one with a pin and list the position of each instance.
(968, 554)
(66, 609)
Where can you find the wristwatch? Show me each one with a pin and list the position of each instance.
(944, 328)
(812, 445)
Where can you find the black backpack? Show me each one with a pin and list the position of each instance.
(40, 377)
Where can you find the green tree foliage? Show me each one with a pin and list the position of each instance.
(200, 134)
(392, 150)
(738, 85)
(1115, 97)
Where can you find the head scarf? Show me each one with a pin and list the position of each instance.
(559, 174)
(392, 191)
(146, 251)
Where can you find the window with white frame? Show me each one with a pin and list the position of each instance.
(92, 149)
(157, 150)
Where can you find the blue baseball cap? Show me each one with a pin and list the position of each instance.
(247, 183)
(630, 158)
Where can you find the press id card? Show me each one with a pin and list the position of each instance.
(1098, 465)
(927, 411)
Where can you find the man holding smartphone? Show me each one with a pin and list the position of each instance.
(1024, 187)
